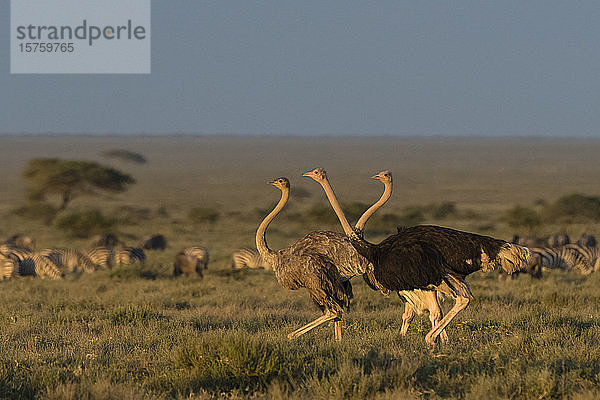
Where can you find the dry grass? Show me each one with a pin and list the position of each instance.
(140, 333)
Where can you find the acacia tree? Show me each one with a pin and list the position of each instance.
(69, 179)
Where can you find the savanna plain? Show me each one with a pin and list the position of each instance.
(138, 332)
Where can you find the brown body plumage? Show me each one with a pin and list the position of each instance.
(297, 266)
(430, 257)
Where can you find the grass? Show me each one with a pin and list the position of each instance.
(175, 338)
(137, 332)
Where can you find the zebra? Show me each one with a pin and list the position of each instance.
(129, 255)
(30, 263)
(100, 256)
(186, 264)
(37, 264)
(154, 242)
(558, 239)
(9, 267)
(70, 259)
(247, 258)
(569, 257)
(587, 240)
(20, 240)
(200, 254)
(17, 251)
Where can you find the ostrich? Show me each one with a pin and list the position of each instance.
(297, 267)
(430, 257)
(338, 250)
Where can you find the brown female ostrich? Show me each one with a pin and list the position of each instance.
(298, 267)
(430, 257)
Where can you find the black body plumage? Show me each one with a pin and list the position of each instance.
(423, 256)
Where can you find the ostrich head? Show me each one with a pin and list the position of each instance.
(282, 183)
(318, 174)
(383, 176)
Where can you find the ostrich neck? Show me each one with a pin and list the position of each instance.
(363, 247)
(261, 243)
(337, 208)
(360, 225)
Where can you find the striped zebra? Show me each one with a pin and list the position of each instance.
(569, 257)
(100, 256)
(69, 259)
(128, 255)
(37, 264)
(9, 268)
(30, 263)
(247, 258)
(587, 240)
(17, 251)
(200, 254)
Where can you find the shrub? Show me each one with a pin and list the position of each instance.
(412, 215)
(354, 210)
(200, 215)
(321, 212)
(521, 217)
(443, 210)
(573, 207)
(84, 224)
(37, 211)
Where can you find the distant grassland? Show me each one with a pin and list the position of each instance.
(139, 333)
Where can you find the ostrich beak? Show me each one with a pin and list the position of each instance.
(306, 173)
(375, 177)
(271, 183)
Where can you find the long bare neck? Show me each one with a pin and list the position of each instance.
(363, 247)
(360, 225)
(261, 243)
(337, 208)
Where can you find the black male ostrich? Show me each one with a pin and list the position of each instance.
(430, 257)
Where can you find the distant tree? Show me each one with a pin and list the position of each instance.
(125, 155)
(69, 179)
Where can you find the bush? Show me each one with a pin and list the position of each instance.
(521, 217)
(354, 210)
(411, 216)
(322, 213)
(200, 215)
(37, 211)
(573, 208)
(84, 224)
(443, 210)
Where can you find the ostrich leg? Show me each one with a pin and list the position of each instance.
(328, 316)
(460, 304)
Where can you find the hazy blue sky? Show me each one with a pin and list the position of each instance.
(477, 68)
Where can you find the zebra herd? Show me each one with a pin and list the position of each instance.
(17, 257)
(54, 263)
(582, 257)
